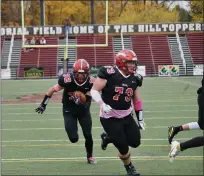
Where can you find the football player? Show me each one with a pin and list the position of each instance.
(73, 109)
(138, 111)
(176, 147)
(173, 130)
(119, 86)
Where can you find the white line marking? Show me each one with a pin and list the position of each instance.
(98, 158)
(155, 105)
(28, 129)
(65, 140)
(58, 113)
(60, 119)
(149, 101)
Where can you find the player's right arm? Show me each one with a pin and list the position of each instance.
(48, 95)
(99, 85)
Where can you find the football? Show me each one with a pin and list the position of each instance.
(80, 95)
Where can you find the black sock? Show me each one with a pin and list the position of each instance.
(194, 142)
(178, 128)
(89, 146)
(127, 167)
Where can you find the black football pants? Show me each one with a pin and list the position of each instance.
(71, 127)
(122, 132)
(201, 110)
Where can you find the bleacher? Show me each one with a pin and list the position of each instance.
(104, 55)
(151, 50)
(160, 50)
(87, 53)
(40, 57)
(2, 43)
(195, 42)
(28, 59)
(141, 46)
(48, 57)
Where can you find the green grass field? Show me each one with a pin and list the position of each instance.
(35, 144)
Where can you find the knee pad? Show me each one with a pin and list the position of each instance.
(73, 140)
(127, 157)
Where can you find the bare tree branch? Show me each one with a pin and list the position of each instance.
(122, 7)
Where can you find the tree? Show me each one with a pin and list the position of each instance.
(196, 10)
(10, 13)
(148, 13)
(58, 11)
(32, 15)
(79, 12)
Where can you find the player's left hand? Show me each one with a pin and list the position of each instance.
(142, 124)
(76, 100)
(41, 109)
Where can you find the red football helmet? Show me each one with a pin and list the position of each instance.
(126, 60)
(81, 70)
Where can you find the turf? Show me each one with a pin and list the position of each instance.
(35, 144)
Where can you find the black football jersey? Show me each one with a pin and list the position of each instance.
(119, 89)
(69, 84)
(201, 89)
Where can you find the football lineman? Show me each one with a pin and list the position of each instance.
(73, 109)
(119, 85)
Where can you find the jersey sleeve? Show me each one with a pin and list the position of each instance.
(105, 72)
(64, 79)
(139, 79)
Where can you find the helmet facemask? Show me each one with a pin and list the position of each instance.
(80, 76)
(130, 66)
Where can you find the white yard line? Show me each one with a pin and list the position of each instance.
(156, 105)
(98, 158)
(148, 101)
(60, 119)
(64, 140)
(96, 112)
(36, 129)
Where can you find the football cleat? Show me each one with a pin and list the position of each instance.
(104, 142)
(171, 133)
(175, 149)
(91, 160)
(132, 171)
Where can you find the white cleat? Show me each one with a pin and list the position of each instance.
(175, 149)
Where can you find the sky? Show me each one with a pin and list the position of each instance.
(182, 4)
